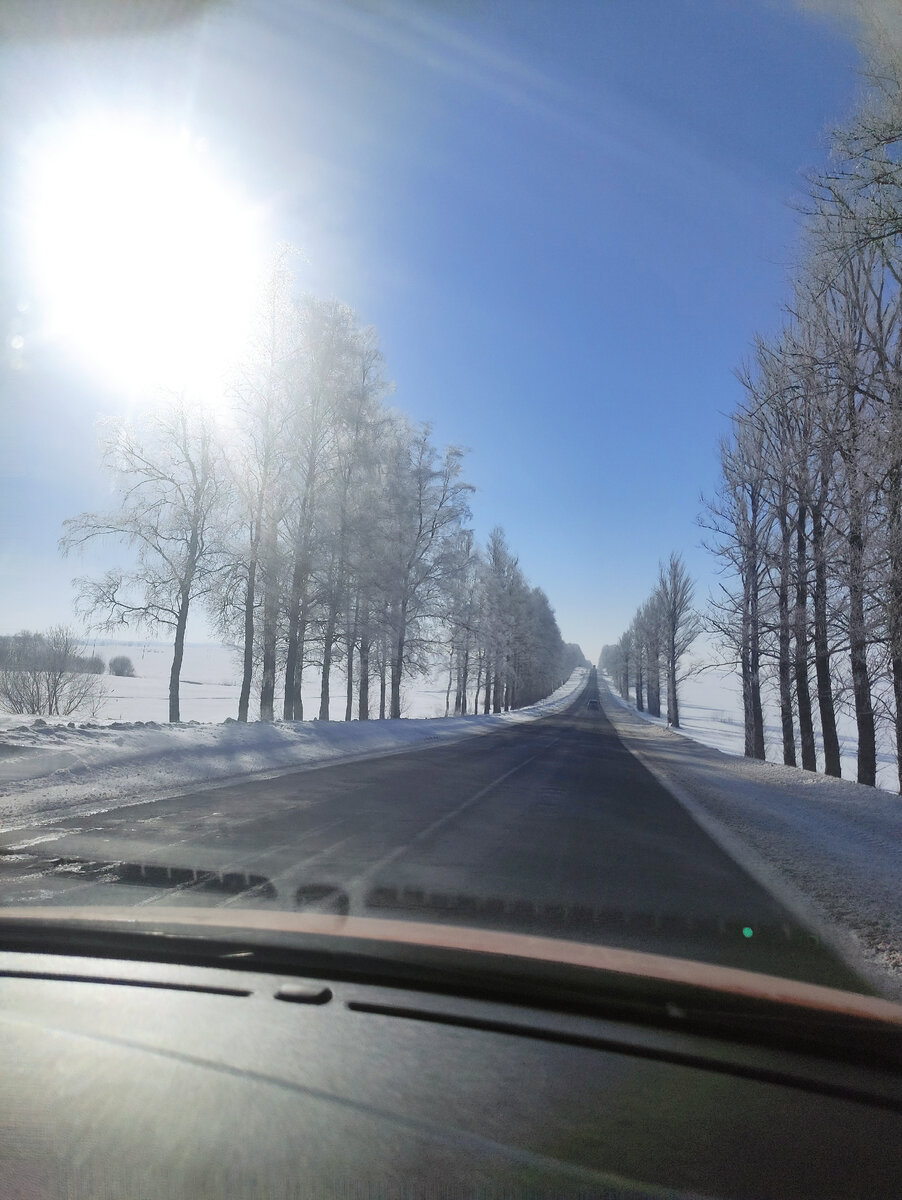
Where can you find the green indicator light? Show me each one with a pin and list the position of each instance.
(747, 931)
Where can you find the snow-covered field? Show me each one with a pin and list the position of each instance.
(132, 753)
(211, 682)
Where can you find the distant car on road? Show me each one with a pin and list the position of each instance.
(593, 703)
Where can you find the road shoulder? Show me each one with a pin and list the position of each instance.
(49, 769)
(829, 850)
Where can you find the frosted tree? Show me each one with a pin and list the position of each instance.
(856, 477)
(651, 630)
(681, 626)
(357, 425)
(424, 507)
(169, 484)
(499, 582)
(739, 517)
(255, 465)
(463, 620)
(319, 388)
(540, 650)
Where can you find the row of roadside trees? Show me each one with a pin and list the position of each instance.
(318, 528)
(807, 520)
(655, 644)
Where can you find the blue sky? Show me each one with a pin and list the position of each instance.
(566, 221)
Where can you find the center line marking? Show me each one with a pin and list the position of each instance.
(443, 820)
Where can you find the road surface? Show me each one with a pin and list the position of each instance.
(551, 827)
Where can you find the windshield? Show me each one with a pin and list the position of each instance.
(452, 470)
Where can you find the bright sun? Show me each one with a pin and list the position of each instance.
(145, 261)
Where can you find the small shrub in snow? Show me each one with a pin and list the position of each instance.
(122, 666)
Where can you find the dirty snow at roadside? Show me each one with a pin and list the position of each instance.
(831, 846)
(92, 766)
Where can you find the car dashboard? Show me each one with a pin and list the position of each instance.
(162, 1066)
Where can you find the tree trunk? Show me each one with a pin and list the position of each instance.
(325, 679)
(752, 603)
(270, 627)
(349, 687)
(181, 622)
(464, 682)
(858, 653)
(328, 647)
(268, 682)
(673, 707)
(397, 664)
(450, 681)
(894, 601)
(745, 670)
(298, 596)
(293, 707)
(755, 675)
(803, 688)
(750, 652)
(382, 670)
(291, 669)
(247, 670)
(639, 682)
(250, 600)
(397, 661)
(294, 637)
(825, 702)
(350, 640)
(897, 696)
(298, 706)
(784, 666)
(653, 680)
(178, 652)
(363, 691)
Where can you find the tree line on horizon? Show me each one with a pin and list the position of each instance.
(317, 527)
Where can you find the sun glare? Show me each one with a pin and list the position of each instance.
(146, 262)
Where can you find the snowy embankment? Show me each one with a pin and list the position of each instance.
(92, 767)
(711, 713)
(828, 848)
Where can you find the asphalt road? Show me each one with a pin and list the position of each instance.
(551, 827)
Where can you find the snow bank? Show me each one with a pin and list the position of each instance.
(91, 767)
(711, 713)
(829, 848)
